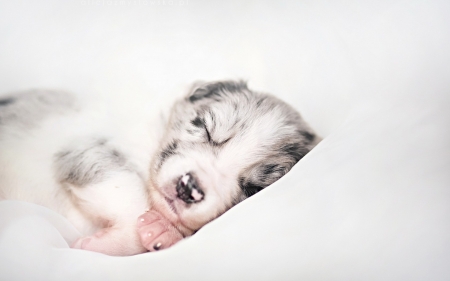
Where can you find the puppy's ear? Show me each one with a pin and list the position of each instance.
(215, 90)
(194, 86)
(195, 91)
(260, 175)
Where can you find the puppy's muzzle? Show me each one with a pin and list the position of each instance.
(188, 189)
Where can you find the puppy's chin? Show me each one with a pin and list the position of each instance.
(171, 208)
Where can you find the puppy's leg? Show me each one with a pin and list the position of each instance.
(106, 189)
(116, 203)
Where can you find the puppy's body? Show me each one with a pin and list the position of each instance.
(217, 146)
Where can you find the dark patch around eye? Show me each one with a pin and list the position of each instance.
(168, 151)
(249, 188)
(198, 122)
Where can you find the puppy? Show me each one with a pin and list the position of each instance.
(219, 145)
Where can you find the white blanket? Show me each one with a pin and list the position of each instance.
(371, 202)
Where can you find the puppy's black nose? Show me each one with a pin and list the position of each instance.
(188, 189)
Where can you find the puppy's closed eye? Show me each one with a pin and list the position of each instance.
(200, 123)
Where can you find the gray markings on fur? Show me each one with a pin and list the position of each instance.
(26, 109)
(283, 157)
(264, 173)
(6, 101)
(88, 163)
(309, 137)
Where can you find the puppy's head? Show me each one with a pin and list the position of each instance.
(223, 144)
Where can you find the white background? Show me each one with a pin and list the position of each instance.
(371, 202)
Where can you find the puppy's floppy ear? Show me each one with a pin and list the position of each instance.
(194, 86)
(262, 174)
(196, 91)
(215, 90)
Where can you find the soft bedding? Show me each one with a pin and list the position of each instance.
(370, 202)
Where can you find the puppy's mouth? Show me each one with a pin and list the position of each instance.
(176, 197)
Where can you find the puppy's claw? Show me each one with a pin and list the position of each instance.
(156, 232)
(157, 246)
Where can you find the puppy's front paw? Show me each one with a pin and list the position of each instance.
(156, 232)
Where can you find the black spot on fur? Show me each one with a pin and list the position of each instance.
(215, 90)
(249, 188)
(307, 135)
(198, 122)
(7, 101)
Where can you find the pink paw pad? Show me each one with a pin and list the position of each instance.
(156, 232)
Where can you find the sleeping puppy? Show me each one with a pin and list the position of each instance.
(218, 145)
